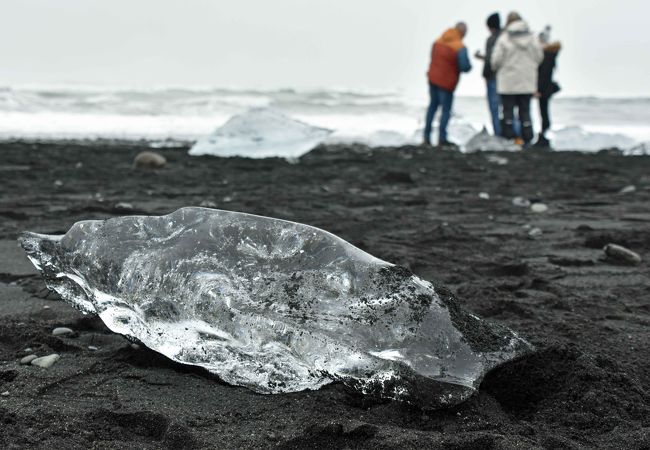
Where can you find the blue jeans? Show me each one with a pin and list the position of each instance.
(439, 97)
(494, 102)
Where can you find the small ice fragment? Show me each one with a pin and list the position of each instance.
(498, 160)
(521, 202)
(484, 195)
(46, 361)
(5, 394)
(208, 204)
(123, 205)
(272, 305)
(535, 232)
(628, 189)
(93, 348)
(58, 183)
(62, 331)
(538, 208)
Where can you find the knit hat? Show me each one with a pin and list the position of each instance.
(494, 21)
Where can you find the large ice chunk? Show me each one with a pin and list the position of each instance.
(261, 133)
(272, 305)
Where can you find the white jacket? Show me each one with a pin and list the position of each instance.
(515, 58)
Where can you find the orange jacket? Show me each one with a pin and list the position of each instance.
(444, 70)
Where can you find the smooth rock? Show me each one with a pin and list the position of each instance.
(46, 361)
(62, 331)
(622, 254)
(93, 348)
(149, 160)
(521, 202)
(538, 208)
(28, 359)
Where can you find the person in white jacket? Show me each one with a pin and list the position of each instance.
(515, 59)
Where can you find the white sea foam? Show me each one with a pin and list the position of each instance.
(373, 118)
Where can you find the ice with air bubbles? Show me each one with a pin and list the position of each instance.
(272, 305)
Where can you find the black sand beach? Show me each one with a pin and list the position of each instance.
(586, 386)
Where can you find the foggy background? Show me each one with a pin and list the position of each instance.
(360, 44)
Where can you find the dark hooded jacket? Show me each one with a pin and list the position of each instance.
(545, 84)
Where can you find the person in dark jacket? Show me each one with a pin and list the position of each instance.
(494, 101)
(448, 59)
(546, 86)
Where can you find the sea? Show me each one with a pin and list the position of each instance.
(166, 116)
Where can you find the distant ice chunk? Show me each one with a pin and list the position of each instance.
(484, 141)
(641, 149)
(261, 133)
(272, 305)
(577, 138)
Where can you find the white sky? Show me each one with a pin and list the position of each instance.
(356, 44)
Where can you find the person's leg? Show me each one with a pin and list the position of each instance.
(431, 112)
(508, 102)
(493, 104)
(523, 106)
(446, 100)
(543, 111)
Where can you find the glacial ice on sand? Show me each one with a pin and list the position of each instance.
(272, 305)
(261, 133)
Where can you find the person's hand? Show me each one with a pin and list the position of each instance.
(478, 55)
(537, 95)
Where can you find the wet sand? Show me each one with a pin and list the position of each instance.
(586, 386)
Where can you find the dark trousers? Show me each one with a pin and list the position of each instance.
(522, 103)
(445, 99)
(543, 111)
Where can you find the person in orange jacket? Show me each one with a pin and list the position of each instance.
(449, 58)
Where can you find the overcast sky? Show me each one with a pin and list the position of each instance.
(356, 44)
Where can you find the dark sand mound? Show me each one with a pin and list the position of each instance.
(586, 386)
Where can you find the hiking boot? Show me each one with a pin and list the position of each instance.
(542, 142)
(448, 145)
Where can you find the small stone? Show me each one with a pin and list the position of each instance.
(5, 394)
(538, 208)
(628, 189)
(622, 254)
(149, 160)
(535, 232)
(28, 359)
(521, 202)
(46, 361)
(484, 196)
(208, 204)
(135, 346)
(123, 205)
(28, 350)
(61, 331)
(46, 307)
(93, 348)
(227, 199)
(498, 160)
(58, 183)
(79, 165)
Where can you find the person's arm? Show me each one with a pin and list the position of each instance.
(498, 54)
(464, 65)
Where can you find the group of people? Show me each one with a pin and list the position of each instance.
(517, 66)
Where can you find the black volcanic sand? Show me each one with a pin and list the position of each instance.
(586, 386)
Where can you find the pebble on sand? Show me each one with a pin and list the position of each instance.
(5, 394)
(628, 189)
(622, 254)
(46, 361)
(61, 331)
(521, 202)
(538, 207)
(28, 359)
(149, 160)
